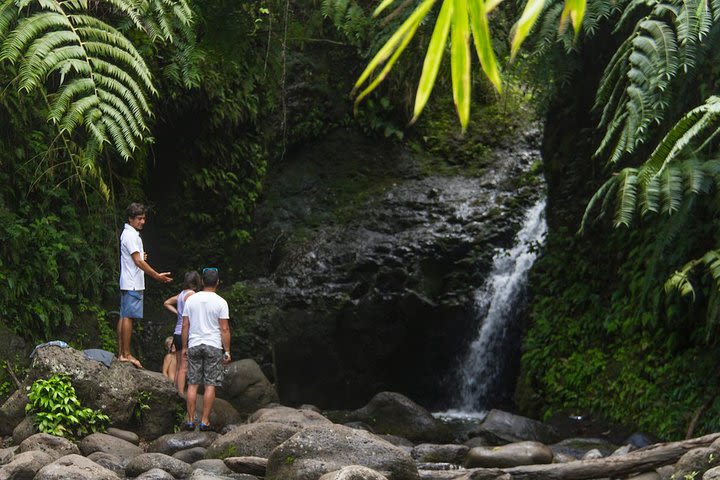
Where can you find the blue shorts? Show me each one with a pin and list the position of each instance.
(131, 303)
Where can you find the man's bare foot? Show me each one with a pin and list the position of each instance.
(132, 360)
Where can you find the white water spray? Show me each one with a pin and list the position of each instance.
(495, 304)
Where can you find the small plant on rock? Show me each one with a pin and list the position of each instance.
(59, 412)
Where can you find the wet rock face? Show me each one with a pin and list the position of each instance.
(380, 294)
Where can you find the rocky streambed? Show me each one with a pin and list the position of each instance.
(389, 438)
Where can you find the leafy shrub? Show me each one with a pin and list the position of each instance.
(59, 412)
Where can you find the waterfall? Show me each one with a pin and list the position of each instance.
(496, 302)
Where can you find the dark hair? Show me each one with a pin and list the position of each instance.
(135, 210)
(192, 280)
(210, 277)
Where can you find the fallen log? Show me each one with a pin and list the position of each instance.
(638, 461)
(643, 460)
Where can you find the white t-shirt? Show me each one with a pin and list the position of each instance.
(131, 276)
(204, 310)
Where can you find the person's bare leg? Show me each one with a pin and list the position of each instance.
(208, 400)
(180, 373)
(190, 400)
(125, 327)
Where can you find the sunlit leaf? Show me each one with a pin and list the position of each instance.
(575, 10)
(524, 25)
(483, 42)
(460, 61)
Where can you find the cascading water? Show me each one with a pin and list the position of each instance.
(496, 304)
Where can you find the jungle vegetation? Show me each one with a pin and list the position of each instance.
(104, 99)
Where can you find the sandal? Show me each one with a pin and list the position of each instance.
(190, 426)
(204, 427)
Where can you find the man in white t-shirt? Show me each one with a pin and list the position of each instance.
(133, 266)
(206, 342)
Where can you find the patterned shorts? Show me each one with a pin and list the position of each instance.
(205, 366)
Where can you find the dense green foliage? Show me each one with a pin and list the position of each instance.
(59, 412)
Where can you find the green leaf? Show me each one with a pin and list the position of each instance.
(524, 25)
(483, 42)
(460, 61)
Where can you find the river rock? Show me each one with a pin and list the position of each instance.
(250, 465)
(246, 387)
(712, 474)
(394, 413)
(251, 440)
(646, 476)
(110, 461)
(7, 454)
(75, 467)
(315, 451)
(126, 435)
(115, 390)
(223, 414)
(292, 417)
(503, 427)
(191, 455)
(102, 442)
(577, 447)
(155, 474)
(354, 472)
(54, 446)
(511, 455)
(13, 411)
(25, 429)
(697, 460)
(450, 453)
(212, 465)
(174, 442)
(148, 461)
(25, 465)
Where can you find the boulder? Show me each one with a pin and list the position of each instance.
(502, 427)
(251, 440)
(511, 455)
(354, 472)
(102, 442)
(174, 442)
(12, 411)
(191, 455)
(293, 417)
(212, 465)
(54, 446)
(147, 461)
(250, 465)
(155, 474)
(315, 451)
(75, 467)
(25, 465)
(115, 390)
(246, 387)
(7, 454)
(201, 474)
(124, 434)
(449, 453)
(26, 428)
(698, 460)
(395, 414)
(712, 474)
(579, 446)
(110, 461)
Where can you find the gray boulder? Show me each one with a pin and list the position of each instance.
(503, 427)
(115, 390)
(252, 440)
(147, 461)
(25, 429)
(293, 417)
(246, 387)
(354, 472)
(449, 453)
(175, 442)
(191, 455)
(212, 465)
(395, 414)
(12, 411)
(102, 442)
(155, 474)
(223, 414)
(698, 460)
(511, 455)
(75, 467)
(54, 446)
(7, 454)
(578, 447)
(249, 465)
(313, 452)
(110, 461)
(712, 474)
(25, 465)
(126, 435)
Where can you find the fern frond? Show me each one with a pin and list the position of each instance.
(606, 191)
(626, 197)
